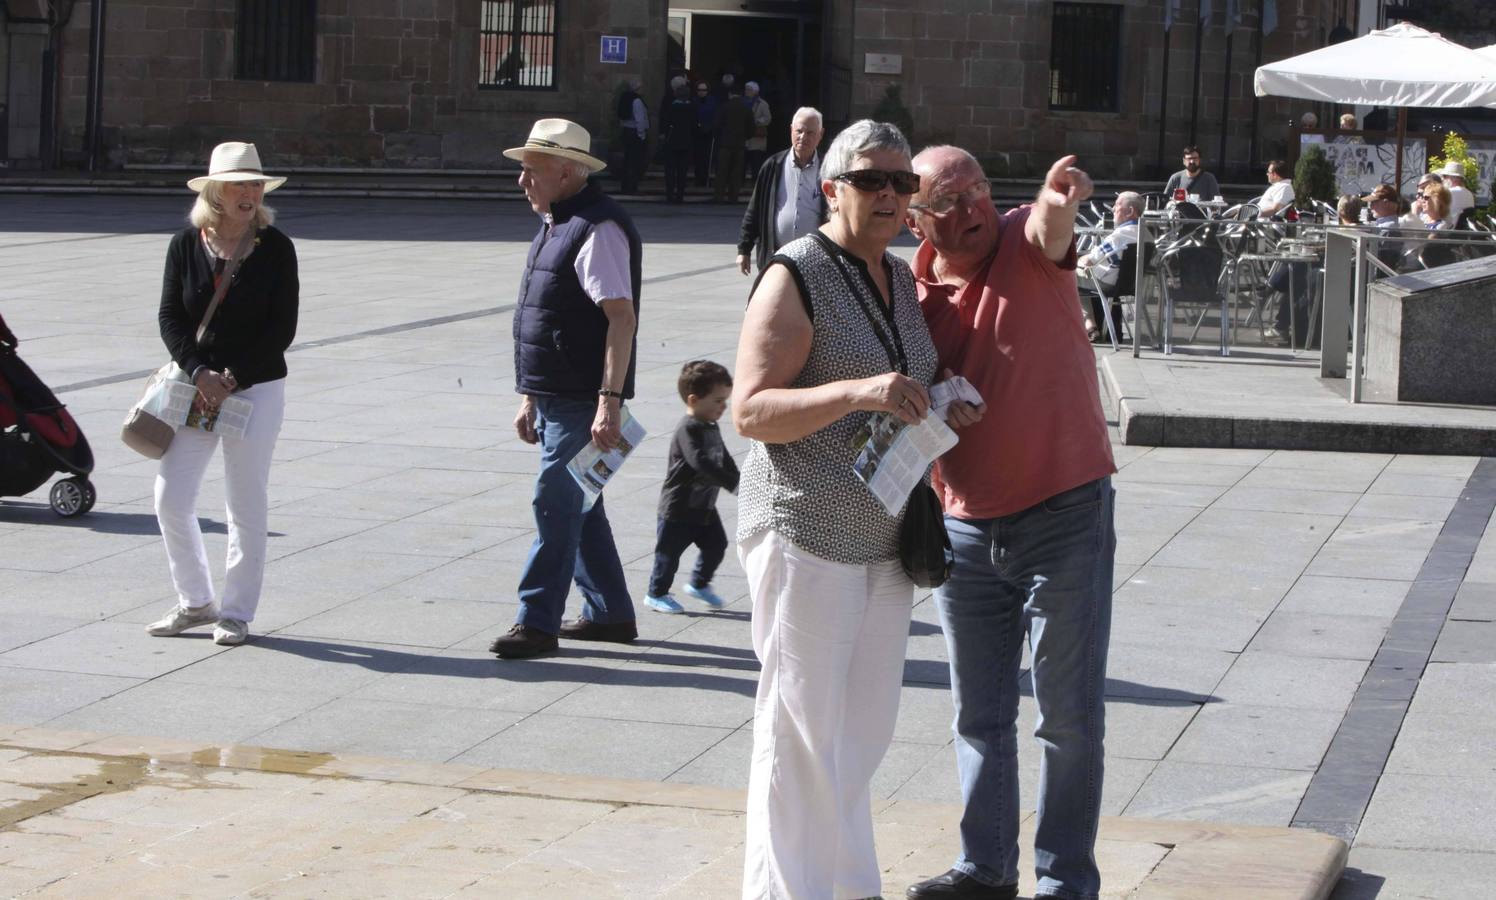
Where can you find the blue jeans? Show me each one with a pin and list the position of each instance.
(672, 539)
(1046, 571)
(568, 542)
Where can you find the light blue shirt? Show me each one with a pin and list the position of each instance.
(799, 211)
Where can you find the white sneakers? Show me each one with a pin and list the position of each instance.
(226, 632)
(229, 632)
(182, 618)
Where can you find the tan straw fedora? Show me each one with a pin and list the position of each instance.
(235, 161)
(559, 137)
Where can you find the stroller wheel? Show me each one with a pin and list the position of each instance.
(72, 497)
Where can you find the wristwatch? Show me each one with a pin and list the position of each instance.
(604, 392)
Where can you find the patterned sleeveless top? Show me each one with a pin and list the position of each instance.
(805, 489)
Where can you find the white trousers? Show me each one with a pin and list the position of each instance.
(246, 470)
(831, 639)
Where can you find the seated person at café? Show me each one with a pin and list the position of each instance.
(1385, 209)
(1104, 262)
(1279, 194)
(1460, 198)
(1192, 178)
(1433, 204)
(1348, 209)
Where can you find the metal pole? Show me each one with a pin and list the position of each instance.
(1195, 80)
(1402, 134)
(1252, 156)
(1163, 102)
(94, 124)
(1226, 97)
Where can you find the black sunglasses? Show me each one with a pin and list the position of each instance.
(871, 180)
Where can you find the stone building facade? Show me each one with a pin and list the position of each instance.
(399, 83)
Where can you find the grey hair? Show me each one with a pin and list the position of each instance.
(576, 169)
(858, 139)
(204, 215)
(1132, 200)
(808, 112)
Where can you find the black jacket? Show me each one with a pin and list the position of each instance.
(699, 468)
(254, 324)
(758, 219)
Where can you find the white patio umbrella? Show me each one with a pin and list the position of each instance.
(1401, 66)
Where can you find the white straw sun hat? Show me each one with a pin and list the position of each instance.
(559, 137)
(235, 161)
(1453, 167)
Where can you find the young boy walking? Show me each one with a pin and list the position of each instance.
(699, 467)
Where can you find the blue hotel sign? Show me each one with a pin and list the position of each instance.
(615, 48)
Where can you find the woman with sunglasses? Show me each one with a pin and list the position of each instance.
(832, 337)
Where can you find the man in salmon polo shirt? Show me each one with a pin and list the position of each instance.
(1028, 502)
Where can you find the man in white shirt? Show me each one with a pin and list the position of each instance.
(1279, 193)
(1105, 260)
(1460, 198)
(575, 327)
(787, 202)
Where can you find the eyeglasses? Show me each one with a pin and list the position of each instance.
(872, 180)
(945, 203)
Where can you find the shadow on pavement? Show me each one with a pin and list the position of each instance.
(101, 521)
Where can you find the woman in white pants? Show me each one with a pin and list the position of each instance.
(833, 335)
(243, 354)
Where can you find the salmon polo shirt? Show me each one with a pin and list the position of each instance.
(1017, 334)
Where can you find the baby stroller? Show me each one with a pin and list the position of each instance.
(38, 437)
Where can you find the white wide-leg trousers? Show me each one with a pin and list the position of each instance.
(830, 638)
(246, 469)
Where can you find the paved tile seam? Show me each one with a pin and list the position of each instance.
(1342, 787)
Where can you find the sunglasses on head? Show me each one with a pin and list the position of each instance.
(871, 180)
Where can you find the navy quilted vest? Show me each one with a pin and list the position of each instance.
(559, 333)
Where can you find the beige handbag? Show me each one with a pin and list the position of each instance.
(145, 430)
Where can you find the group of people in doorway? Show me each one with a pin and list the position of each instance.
(721, 131)
(837, 329)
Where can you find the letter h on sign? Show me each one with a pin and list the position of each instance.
(615, 49)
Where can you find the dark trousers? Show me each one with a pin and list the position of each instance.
(702, 152)
(672, 539)
(633, 161)
(1096, 315)
(677, 165)
(729, 173)
(1278, 280)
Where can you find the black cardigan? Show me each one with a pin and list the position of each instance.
(254, 324)
(757, 231)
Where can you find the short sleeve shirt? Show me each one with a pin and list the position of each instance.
(1016, 333)
(602, 264)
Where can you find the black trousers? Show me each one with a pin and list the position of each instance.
(677, 168)
(633, 161)
(672, 539)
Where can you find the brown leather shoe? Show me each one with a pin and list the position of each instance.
(955, 885)
(584, 629)
(523, 642)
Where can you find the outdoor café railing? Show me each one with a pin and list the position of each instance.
(1355, 257)
(1351, 258)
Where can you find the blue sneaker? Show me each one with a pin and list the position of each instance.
(665, 604)
(706, 595)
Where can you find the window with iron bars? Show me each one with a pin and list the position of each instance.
(276, 40)
(1084, 53)
(517, 45)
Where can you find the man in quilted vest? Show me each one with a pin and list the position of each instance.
(574, 341)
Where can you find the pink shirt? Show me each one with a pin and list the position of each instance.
(1016, 333)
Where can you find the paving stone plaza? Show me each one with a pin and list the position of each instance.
(1300, 639)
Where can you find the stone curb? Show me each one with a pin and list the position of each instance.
(1143, 419)
(1144, 859)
